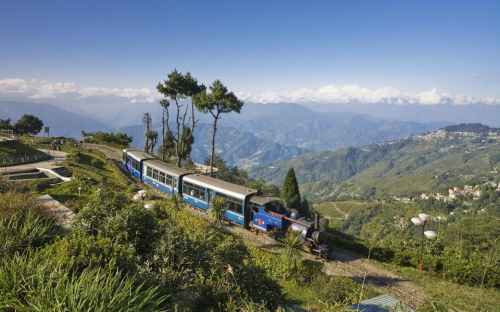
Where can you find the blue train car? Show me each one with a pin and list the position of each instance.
(199, 192)
(268, 213)
(163, 177)
(133, 160)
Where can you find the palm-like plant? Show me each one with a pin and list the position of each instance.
(292, 245)
(217, 211)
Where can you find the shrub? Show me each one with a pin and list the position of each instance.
(37, 282)
(22, 226)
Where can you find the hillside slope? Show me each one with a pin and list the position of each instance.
(60, 121)
(421, 163)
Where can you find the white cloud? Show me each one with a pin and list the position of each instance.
(343, 94)
(42, 89)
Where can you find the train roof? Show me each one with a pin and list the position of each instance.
(138, 154)
(163, 166)
(220, 186)
(263, 200)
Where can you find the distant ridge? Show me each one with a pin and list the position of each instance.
(471, 127)
(60, 121)
(421, 163)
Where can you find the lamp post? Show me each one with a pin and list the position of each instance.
(421, 220)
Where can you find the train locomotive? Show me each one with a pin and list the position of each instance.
(243, 206)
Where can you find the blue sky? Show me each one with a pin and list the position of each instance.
(258, 47)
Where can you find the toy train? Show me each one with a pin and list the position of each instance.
(243, 206)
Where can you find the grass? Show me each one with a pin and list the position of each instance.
(89, 169)
(453, 296)
(14, 153)
(336, 211)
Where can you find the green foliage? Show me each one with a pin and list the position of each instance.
(404, 168)
(38, 282)
(167, 148)
(292, 245)
(217, 210)
(5, 124)
(22, 225)
(117, 139)
(28, 124)
(187, 140)
(164, 258)
(14, 153)
(465, 251)
(219, 101)
(176, 89)
(290, 191)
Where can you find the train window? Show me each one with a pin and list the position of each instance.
(254, 207)
(135, 164)
(155, 174)
(149, 172)
(169, 180)
(162, 177)
(194, 190)
(231, 203)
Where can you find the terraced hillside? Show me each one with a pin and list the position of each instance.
(14, 152)
(425, 163)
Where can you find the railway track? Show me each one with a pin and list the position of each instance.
(343, 263)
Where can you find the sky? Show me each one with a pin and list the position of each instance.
(423, 52)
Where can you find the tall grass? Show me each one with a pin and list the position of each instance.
(35, 282)
(22, 225)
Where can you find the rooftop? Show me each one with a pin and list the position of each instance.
(263, 200)
(138, 154)
(172, 169)
(214, 183)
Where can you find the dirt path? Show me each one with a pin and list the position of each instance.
(346, 263)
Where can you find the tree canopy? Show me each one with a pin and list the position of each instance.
(28, 124)
(290, 191)
(216, 102)
(175, 90)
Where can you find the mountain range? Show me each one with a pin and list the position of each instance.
(427, 162)
(261, 134)
(61, 122)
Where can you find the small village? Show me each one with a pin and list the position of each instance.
(454, 193)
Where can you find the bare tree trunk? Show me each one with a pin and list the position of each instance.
(163, 135)
(177, 150)
(212, 156)
(193, 120)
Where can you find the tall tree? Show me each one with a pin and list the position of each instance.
(290, 192)
(219, 101)
(176, 90)
(28, 124)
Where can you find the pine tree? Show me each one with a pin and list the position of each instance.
(305, 208)
(290, 191)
